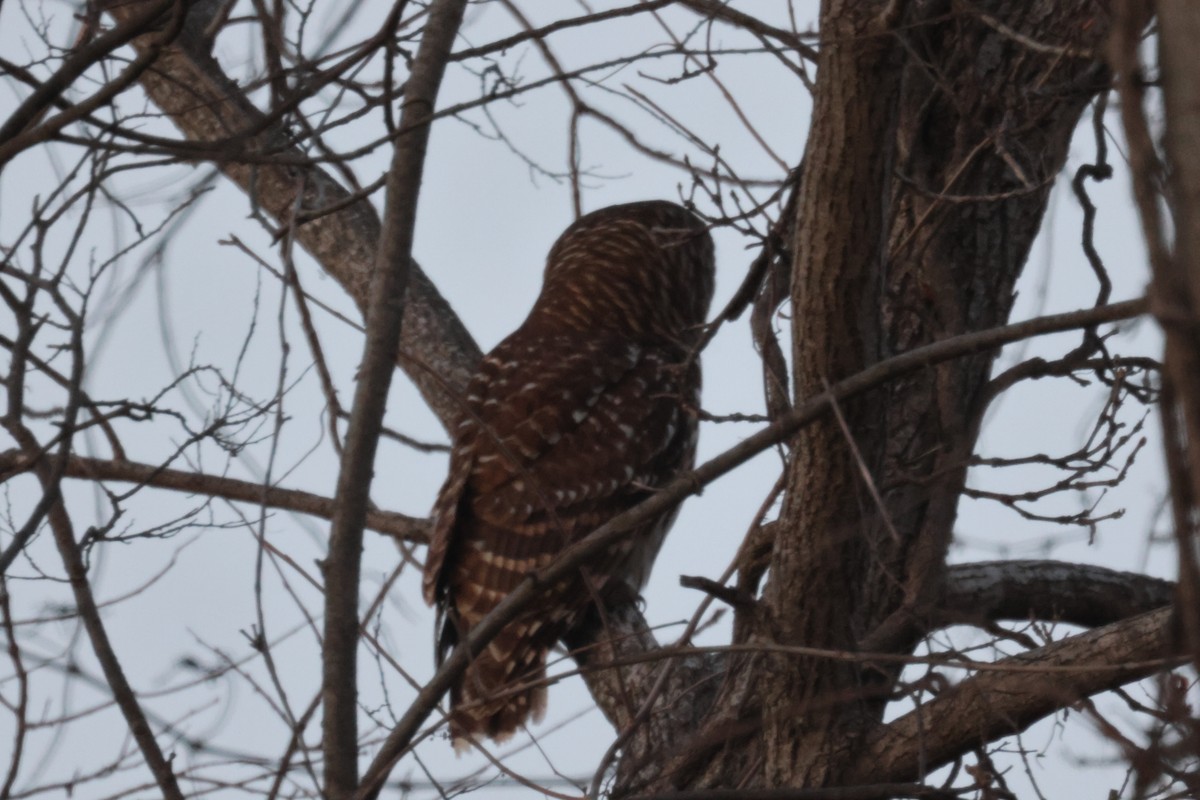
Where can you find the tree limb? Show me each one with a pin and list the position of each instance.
(995, 704)
(1177, 294)
(1051, 591)
(385, 312)
(1058, 591)
(399, 526)
(190, 87)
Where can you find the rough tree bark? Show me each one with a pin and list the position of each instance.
(938, 130)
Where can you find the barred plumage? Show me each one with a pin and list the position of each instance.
(578, 415)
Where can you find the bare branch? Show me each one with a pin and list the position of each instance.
(385, 311)
(189, 86)
(985, 592)
(995, 704)
(716, 10)
(15, 133)
(1079, 594)
(1177, 293)
(399, 526)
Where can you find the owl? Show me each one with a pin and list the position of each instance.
(581, 413)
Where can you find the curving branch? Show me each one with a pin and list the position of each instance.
(984, 592)
(1056, 591)
(995, 704)
(341, 230)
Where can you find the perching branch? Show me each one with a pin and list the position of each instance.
(985, 592)
(1049, 591)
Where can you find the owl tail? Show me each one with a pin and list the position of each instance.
(503, 688)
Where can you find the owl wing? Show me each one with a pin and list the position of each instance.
(558, 438)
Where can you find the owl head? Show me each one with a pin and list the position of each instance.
(641, 270)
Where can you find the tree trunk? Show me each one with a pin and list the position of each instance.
(938, 130)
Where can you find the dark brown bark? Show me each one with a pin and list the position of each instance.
(1079, 594)
(936, 137)
(1177, 292)
(1017, 692)
(990, 102)
(836, 281)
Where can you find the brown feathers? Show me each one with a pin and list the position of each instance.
(572, 419)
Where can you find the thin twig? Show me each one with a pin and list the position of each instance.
(399, 526)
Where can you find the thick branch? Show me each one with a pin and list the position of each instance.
(1177, 290)
(994, 591)
(1058, 591)
(189, 86)
(981, 592)
(838, 264)
(996, 704)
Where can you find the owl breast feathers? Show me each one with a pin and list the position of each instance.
(577, 416)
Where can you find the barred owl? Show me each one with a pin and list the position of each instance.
(578, 415)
